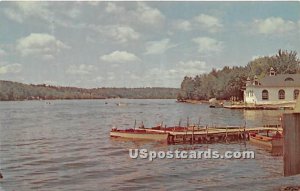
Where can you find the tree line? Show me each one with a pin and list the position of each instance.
(228, 82)
(11, 91)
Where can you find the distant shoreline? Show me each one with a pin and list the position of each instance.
(15, 91)
(89, 99)
(193, 101)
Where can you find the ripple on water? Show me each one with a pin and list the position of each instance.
(66, 146)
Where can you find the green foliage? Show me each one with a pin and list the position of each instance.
(230, 81)
(17, 91)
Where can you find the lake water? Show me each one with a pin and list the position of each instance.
(65, 145)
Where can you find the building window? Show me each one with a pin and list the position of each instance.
(296, 93)
(281, 94)
(250, 93)
(265, 95)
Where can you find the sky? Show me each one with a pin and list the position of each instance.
(138, 44)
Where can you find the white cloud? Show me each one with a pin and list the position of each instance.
(149, 15)
(153, 78)
(2, 52)
(273, 25)
(183, 25)
(81, 69)
(98, 79)
(73, 13)
(13, 15)
(40, 44)
(211, 23)
(10, 68)
(119, 33)
(201, 22)
(192, 67)
(134, 77)
(48, 57)
(113, 8)
(207, 44)
(173, 76)
(158, 47)
(32, 8)
(92, 3)
(20, 10)
(120, 57)
(111, 75)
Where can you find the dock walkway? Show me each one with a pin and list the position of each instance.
(212, 134)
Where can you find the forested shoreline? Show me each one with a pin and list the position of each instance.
(13, 91)
(227, 83)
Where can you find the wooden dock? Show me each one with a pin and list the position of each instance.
(260, 107)
(206, 134)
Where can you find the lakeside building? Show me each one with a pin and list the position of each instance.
(272, 89)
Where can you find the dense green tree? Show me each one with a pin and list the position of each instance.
(230, 81)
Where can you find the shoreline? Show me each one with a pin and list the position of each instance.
(88, 99)
(193, 101)
(275, 106)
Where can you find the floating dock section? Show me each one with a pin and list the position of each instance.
(259, 107)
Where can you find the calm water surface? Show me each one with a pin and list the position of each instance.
(65, 145)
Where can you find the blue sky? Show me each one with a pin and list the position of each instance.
(138, 44)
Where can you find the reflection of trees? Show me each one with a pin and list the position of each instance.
(262, 117)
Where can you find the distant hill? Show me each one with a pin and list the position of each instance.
(10, 91)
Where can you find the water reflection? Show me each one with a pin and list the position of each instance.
(263, 117)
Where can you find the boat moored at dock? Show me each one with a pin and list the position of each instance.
(139, 134)
(273, 142)
(198, 134)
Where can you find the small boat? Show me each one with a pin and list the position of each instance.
(270, 142)
(214, 103)
(121, 104)
(139, 134)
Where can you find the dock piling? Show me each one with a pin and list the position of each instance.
(193, 135)
(239, 134)
(134, 124)
(291, 146)
(206, 137)
(226, 135)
